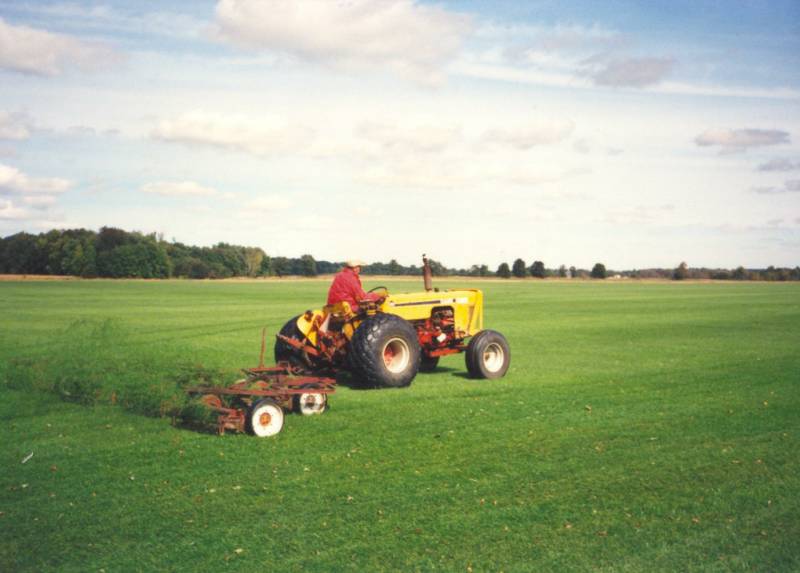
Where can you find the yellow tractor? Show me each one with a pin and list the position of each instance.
(386, 342)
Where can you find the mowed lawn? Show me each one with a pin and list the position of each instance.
(641, 427)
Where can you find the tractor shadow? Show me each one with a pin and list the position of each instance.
(463, 375)
(347, 380)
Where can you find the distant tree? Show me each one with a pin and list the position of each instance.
(483, 270)
(142, 259)
(437, 268)
(562, 271)
(226, 260)
(573, 272)
(308, 266)
(191, 267)
(503, 271)
(518, 269)
(24, 255)
(721, 274)
(681, 272)
(253, 256)
(395, 268)
(537, 270)
(739, 274)
(280, 266)
(265, 266)
(110, 237)
(599, 271)
(328, 268)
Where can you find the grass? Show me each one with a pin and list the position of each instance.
(641, 427)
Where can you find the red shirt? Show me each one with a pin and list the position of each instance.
(346, 286)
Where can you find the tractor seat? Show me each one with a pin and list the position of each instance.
(336, 315)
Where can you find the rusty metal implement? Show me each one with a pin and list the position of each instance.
(256, 403)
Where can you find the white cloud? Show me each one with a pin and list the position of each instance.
(14, 126)
(108, 19)
(781, 164)
(764, 190)
(633, 72)
(639, 214)
(568, 56)
(259, 136)
(424, 139)
(791, 186)
(33, 51)
(527, 136)
(178, 189)
(268, 203)
(401, 35)
(12, 213)
(41, 202)
(12, 180)
(573, 75)
(741, 139)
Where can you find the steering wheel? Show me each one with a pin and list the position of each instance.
(382, 296)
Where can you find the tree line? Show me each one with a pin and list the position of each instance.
(116, 253)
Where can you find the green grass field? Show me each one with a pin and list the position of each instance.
(641, 427)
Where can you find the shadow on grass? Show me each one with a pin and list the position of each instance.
(344, 378)
(463, 375)
(438, 370)
(196, 427)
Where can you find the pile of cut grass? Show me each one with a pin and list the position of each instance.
(93, 361)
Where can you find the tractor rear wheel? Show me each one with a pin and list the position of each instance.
(384, 351)
(285, 352)
(488, 355)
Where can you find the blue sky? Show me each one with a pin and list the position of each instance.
(633, 133)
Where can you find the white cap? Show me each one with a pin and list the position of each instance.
(354, 263)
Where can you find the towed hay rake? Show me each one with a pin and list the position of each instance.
(256, 403)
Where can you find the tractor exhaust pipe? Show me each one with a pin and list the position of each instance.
(427, 274)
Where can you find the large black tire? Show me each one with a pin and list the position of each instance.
(428, 363)
(384, 351)
(488, 355)
(287, 353)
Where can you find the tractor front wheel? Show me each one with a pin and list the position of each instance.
(488, 355)
(384, 351)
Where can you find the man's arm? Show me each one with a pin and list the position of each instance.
(359, 293)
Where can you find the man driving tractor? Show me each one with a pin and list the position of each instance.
(346, 286)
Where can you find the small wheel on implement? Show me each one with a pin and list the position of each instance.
(428, 363)
(488, 355)
(310, 403)
(264, 418)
